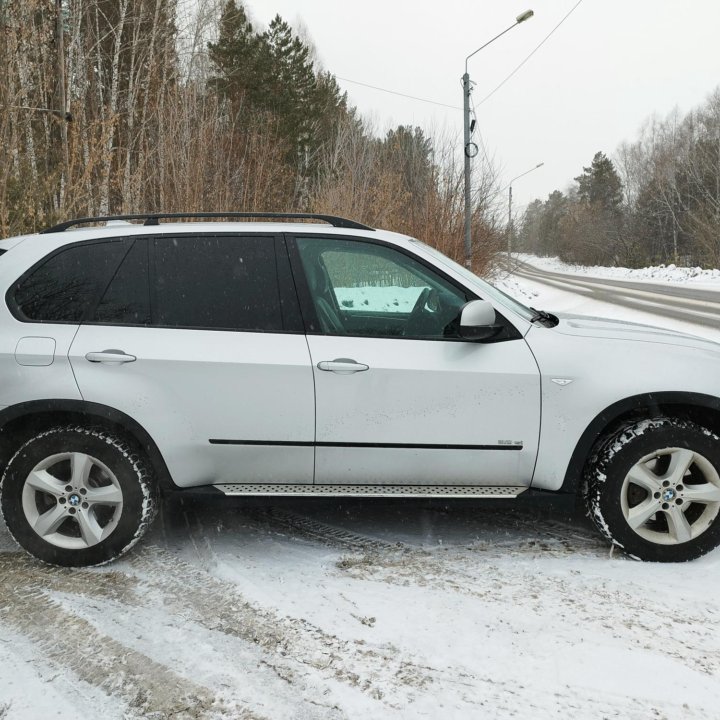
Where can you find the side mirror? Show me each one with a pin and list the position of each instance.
(477, 321)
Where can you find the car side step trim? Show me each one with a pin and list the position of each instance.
(446, 491)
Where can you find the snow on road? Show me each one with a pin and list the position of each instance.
(281, 610)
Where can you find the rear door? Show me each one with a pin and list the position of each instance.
(199, 339)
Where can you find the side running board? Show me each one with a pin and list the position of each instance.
(445, 491)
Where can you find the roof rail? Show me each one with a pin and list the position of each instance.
(154, 219)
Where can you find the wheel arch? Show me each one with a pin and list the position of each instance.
(28, 418)
(701, 408)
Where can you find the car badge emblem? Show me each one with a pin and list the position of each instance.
(561, 381)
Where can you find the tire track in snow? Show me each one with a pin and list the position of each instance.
(294, 645)
(313, 529)
(74, 645)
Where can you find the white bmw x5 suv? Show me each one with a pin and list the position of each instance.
(302, 358)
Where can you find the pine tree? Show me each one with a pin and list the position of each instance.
(238, 57)
(291, 85)
(409, 152)
(600, 184)
(555, 209)
(330, 109)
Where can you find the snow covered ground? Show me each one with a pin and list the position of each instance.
(553, 299)
(373, 610)
(316, 610)
(387, 299)
(658, 273)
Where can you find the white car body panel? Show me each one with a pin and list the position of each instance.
(27, 378)
(188, 387)
(607, 362)
(429, 393)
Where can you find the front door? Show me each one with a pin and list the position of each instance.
(400, 398)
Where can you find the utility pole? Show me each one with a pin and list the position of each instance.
(510, 227)
(717, 181)
(467, 149)
(470, 149)
(510, 220)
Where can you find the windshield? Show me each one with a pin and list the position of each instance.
(485, 288)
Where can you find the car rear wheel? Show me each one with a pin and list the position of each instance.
(77, 496)
(653, 489)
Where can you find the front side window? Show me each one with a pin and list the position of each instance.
(486, 289)
(66, 286)
(216, 282)
(360, 288)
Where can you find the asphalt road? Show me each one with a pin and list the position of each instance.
(693, 305)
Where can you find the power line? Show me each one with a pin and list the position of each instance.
(393, 92)
(455, 107)
(544, 40)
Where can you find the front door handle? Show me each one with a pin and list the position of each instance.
(110, 356)
(343, 366)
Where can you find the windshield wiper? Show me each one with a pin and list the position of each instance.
(548, 319)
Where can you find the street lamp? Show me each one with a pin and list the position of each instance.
(470, 149)
(510, 222)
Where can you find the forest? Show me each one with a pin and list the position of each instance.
(124, 106)
(656, 202)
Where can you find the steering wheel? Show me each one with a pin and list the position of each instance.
(417, 322)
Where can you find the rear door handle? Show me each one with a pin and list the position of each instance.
(110, 356)
(342, 366)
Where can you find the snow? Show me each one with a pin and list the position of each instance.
(334, 609)
(378, 299)
(553, 299)
(657, 273)
(345, 608)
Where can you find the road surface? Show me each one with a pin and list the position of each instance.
(692, 305)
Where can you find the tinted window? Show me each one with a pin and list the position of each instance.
(127, 299)
(68, 284)
(225, 283)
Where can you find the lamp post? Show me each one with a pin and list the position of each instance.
(470, 149)
(510, 222)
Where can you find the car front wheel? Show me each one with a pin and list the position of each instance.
(653, 489)
(77, 496)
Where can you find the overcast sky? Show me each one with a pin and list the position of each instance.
(604, 71)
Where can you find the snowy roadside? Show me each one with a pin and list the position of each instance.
(658, 273)
(552, 299)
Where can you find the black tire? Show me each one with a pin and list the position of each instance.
(117, 498)
(645, 454)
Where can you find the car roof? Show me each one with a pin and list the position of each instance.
(120, 228)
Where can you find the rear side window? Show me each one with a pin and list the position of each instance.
(127, 299)
(216, 282)
(66, 286)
